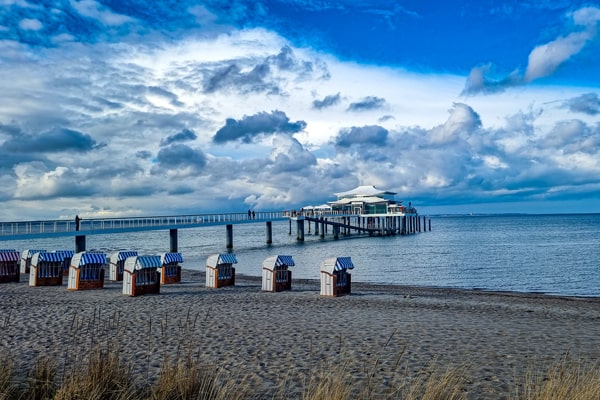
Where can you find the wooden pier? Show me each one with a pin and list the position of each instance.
(345, 224)
(323, 223)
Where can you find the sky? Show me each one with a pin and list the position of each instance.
(113, 108)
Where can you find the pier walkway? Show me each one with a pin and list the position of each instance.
(63, 227)
(380, 224)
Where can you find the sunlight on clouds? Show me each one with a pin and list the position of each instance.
(578, 161)
(494, 162)
(431, 180)
(244, 44)
(34, 180)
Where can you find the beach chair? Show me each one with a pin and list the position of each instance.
(87, 271)
(46, 269)
(116, 263)
(335, 278)
(220, 271)
(26, 259)
(170, 270)
(141, 275)
(276, 276)
(9, 266)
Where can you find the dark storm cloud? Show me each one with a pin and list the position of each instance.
(481, 81)
(588, 103)
(372, 135)
(232, 77)
(144, 154)
(180, 156)
(366, 104)
(328, 101)
(250, 127)
(367, 143)
(247, 77)
(183, 136)
(56, 140)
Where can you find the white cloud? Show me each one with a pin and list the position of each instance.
(92, 9)
(31, 24)
(133, 99)
(544, 59)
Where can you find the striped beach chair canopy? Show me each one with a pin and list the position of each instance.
(170, 258)
(9, 255)
(65, 253)
(136, 263)
(121, 255)
(27, 254)
(85, 258)
(218, 259)
(47, 256)
(336, 264)
(278, 261)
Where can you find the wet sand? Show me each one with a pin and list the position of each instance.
(392, 333)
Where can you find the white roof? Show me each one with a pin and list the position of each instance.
(276, 261)
(217, 259)
(365, 191)
(142, 262)
(349, 200)
(333, 264)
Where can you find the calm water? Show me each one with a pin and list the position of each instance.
(555, 254)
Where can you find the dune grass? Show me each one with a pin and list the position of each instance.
(102, 375)
(97, 371)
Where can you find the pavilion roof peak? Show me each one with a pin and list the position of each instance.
(364, 191)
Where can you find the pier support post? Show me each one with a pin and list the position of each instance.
(290, 227)
(322, 234)
(300, 230)
(269, 226)
(79, 243)
(316, 227)
(229, 237)
(429, 224)
(173, 240)
(336, 231)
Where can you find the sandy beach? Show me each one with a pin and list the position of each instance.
(267, 338)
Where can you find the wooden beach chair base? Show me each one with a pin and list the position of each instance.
(167, 280)
(140, 290)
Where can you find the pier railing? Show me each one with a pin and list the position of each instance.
(65, 227)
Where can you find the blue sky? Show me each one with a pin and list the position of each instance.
(119, 108)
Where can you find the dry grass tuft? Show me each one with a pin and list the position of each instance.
(8, 388)
(334, 385)
(103, 377)
(41, 380)
(187, 379)
(566, 379)
(434, 383)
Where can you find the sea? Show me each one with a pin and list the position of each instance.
(556, 254)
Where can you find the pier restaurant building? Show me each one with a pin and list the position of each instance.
(368, 200)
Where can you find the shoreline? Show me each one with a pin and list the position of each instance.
(397, 330)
